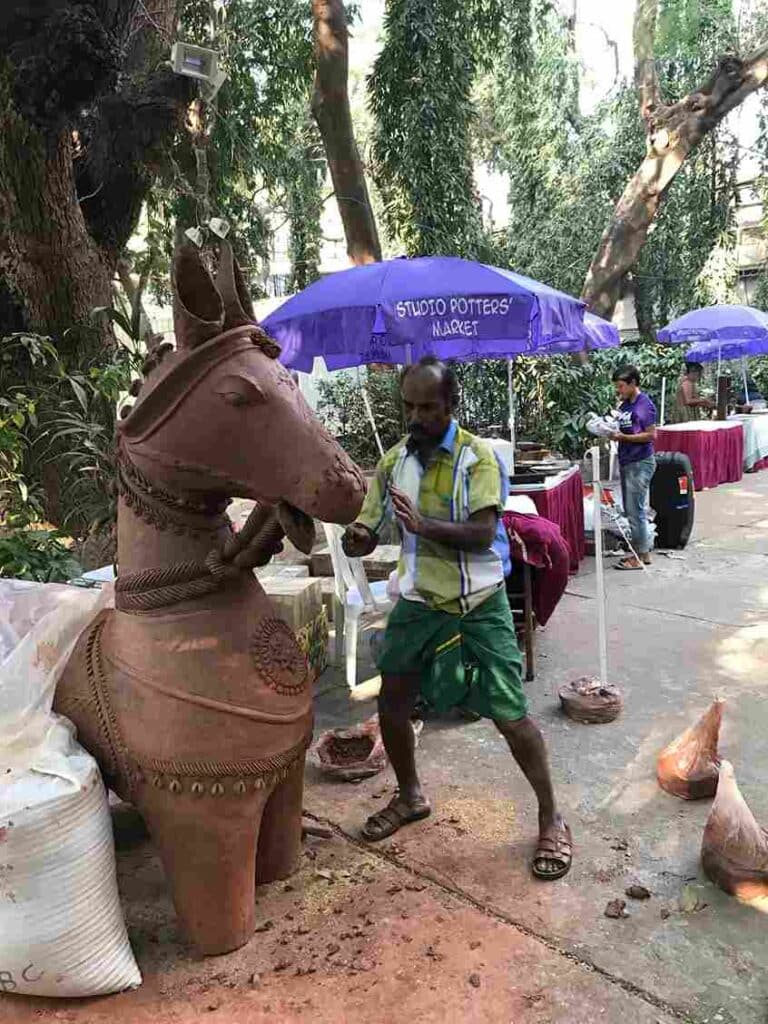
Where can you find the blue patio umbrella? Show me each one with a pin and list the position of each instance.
(723, 331)
(399, 310)
(722, 323)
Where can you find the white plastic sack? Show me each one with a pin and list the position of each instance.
(61, 927)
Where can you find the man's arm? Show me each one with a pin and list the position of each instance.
(691, 397)
(362, 537)
(642, 438)
(476, 534)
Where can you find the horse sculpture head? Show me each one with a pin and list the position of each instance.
(221, 417)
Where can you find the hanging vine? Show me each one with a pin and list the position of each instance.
(421, 98)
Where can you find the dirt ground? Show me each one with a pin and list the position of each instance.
(353, 936)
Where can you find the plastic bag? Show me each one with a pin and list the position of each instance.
(355, 753)
(734, 850)
(689, 766)
(587, 700)
(61, 927)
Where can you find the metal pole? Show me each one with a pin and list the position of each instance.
(744, 376)
(663, 399)
(369, 413)
(511, 401)
(597, 526)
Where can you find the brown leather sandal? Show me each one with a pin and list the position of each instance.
(555, 844)
(392, 818)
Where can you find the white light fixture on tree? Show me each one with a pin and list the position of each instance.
(201, 64)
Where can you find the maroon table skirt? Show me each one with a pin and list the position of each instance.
(564, 505)
(717, 456)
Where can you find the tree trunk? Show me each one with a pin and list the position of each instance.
(330, 105)
(47, 256)
(673, 131)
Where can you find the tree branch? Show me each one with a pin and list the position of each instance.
(673, 131)
(643, 34)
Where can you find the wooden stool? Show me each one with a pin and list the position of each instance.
(519, 586)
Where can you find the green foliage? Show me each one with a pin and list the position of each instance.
(567, 170)
(39, 555)
(304, 205)
(421, 98)
(553, 398)
(342, 409)
(259, 148)
(53, 417)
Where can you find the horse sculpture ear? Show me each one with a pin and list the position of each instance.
(198, 311)
(238, 308)
(231, 286)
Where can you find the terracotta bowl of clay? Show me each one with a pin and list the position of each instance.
(354, 753)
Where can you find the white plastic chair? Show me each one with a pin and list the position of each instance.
(355, 598)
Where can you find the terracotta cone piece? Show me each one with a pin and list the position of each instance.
(192, 695)
(689, 766)
(734, 851)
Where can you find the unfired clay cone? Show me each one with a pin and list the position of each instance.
(734, 851)
(689, 766)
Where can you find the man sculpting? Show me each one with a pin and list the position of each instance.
(450, 640)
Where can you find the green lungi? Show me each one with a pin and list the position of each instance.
(470, 660)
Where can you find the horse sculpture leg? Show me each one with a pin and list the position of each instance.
(279, 845)
(208, 847)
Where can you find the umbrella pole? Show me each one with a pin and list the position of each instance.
(744, 377)
(511, 401)
(663, 399)
(597, 526)
(369, 414)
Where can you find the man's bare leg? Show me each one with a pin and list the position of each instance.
(397, 700)
(528, 749)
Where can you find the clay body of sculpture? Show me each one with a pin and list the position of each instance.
(192, 695)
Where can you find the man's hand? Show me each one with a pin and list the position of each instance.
(618, 436)
(358, 541)
(406, 511)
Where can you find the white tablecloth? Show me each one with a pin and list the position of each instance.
(705, 425)
(547, 484)
(755, 438)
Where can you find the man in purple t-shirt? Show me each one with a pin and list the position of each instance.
(637, 430)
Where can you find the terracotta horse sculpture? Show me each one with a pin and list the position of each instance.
(192, 695)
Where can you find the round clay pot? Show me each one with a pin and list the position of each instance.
(584, 700)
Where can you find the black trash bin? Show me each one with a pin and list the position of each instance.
(672, 499)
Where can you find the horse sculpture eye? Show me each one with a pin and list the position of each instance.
(240, 390)
(235, 398)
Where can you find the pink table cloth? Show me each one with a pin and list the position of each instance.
(716, 450)
(561, 500)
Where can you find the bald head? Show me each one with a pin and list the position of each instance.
(430, 394)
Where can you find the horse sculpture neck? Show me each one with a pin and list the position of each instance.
(174, 548)
(157, 528)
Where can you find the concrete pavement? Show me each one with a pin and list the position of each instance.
(444, 922)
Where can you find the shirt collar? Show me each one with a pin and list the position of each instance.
(449, 437)
(446, 444)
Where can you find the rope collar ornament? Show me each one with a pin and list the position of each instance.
(165, 511)
(154, 588)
